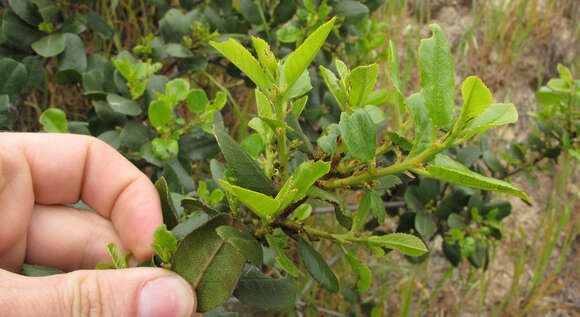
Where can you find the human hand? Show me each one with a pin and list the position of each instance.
(41, 172)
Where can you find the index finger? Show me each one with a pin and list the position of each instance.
(66, 168)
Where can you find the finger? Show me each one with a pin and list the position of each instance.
(16, 201)
(129, 292)
(65, 168)
(68, 238)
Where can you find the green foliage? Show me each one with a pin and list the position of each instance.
(230, 195)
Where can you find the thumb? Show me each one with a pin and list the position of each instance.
(130, 292)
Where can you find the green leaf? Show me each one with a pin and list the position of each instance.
(260, 291)
(298, 106)
(359, 134)
(334, 86)
(159, 114)
(134, 135)
(437, 77)
(285, 263)
(249, 174)
(167, 207)
(119, 259)
(262, 205)
(284, 11)
(72, 61)
(197, 101)
(302, 212)
(38, 271)
(26, 11)
(177, 50)
(253, 144)
(250, 11)
(378, 207)
(177, 90)
(351, 10)
(424, 224)
(493, 162)
(463, 176)
(123, 105)
(423, 125)
(96, 23)
(327, 142)
(194, 220)
(296, 187)
(243, 242)
(54, 120)
(13, 77)
(267, 59)
(317, 267)
(295, 133)
(361, 83)
(497, 114)
(301, 87)
(476, 99)
(50, 45)
(36, 73)
(164, 244)
(210, 265)
(362, 214)
(299, 60)
(240, 57)
(405, 243)
(47, 9)
(288, 34)
(455, 221)
(112, 138)
(377, 114)
(559, 85)
(18, 32)
(165, 149)
(362, 271)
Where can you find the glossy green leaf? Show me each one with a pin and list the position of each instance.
(249, 174)
(243, 242)
(267, 59)
(165, 149)
(262, 205)
(167, 207)
(177, 90)
(261, 291)
(197, 101)
(559, 85)
(195, 220)
(284, 11)
(159, 114)
(299, 60)
(317, 266)
(423, 125)
(253, 144)
(298, 105)
(119, 259)
(463, 176)
(359, 134)
(476, 99)
(405, 243)
(123, 105)
(296, 187)
(72, 61)
(111, 137)
(497, 114)
(288, 34)
(302, 212)
(301, 87)
(18, 32)
(361, 83)
(437, 77)
(50, 45)
(164, 243)
(13, 77)
(209, 264)
(334, 86)
(54, 120)
(247, 63)
(424, 224)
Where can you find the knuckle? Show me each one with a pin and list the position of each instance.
(84, 296)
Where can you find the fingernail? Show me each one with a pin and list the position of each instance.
(167, 297)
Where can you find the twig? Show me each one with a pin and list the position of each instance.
(330, 209)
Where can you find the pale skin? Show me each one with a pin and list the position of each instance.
(39, 173)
